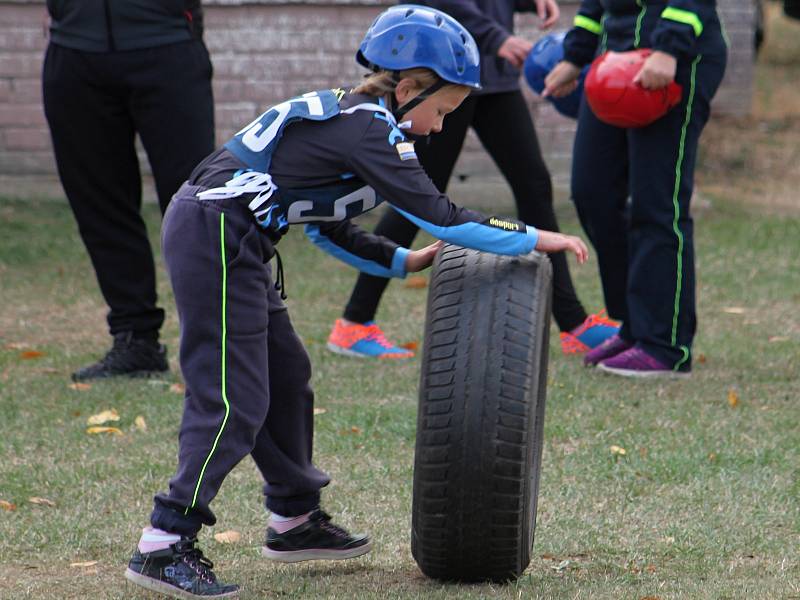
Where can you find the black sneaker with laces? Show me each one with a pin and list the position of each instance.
(316, 539)
(180, 571)
(130, 356)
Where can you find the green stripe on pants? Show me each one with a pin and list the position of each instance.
(224, 390)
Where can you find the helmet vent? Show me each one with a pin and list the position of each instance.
(409, 12)
(439, 21)
(463, 38)
(401, 37)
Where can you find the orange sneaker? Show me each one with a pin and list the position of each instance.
(595, 330)
(365, 340)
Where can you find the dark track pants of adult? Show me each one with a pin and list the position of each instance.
(645, 248)
(246, 371)
(504, 127)
(95, 104)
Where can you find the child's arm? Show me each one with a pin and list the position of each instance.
(396, 174)
(681, 23)
(369, 253)
(580, 46)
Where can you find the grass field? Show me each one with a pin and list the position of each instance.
(705, 502)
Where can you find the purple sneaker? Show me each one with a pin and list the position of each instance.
(611, 347)
(635, 362)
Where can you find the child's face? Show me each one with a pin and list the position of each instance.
(428, 116)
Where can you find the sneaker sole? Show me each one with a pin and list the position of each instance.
(345, 352)
(292, 556)
(129, 375)
(644, 374)
(154, 585)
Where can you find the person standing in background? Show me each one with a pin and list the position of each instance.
(115, 68)
(500, 117)
(645, 247)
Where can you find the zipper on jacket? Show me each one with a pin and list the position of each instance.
(111, 45)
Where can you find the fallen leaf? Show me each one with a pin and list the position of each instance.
(41, 501)
(650, 598)
(701, 358)
(355, 429)
(113, 430)
(48, 370)
(650, 568)
(103, 417)
(80, 387)
(30, 354)
(228, 537)
(547, 556)
(618, 451)
(88, 563)
(561, 567)
(417, 282)
(140, 423)
(734, 310)
(320, 411)
(733, 398)
(643, 452)
(712, 456)
(778, 338)
(177, 388)
(413, 346)
(7, 506)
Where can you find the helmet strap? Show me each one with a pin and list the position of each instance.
(400, 111)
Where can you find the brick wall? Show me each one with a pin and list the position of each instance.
(265, 51)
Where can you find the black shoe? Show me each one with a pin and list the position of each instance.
(316, 539)
(180, 571)
(129, 356)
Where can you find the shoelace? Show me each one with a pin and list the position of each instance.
(194, 559)
(600, 319)
(325, 523)
(119, 354)
(376, 335)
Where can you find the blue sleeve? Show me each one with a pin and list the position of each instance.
(381, 160)
(366, 252)
(478, 236)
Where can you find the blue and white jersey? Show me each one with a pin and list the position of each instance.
(342, 156)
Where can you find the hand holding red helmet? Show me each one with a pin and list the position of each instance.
(632, 89)
(658, 71)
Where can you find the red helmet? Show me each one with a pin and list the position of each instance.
(616, 100)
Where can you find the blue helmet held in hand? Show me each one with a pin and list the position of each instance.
(408, 36)
(543, 57)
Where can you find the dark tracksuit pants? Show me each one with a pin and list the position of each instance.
(95, 104)
(246, 371)
(645, 248)
(505, 129)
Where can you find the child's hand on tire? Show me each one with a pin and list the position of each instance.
(556, 242)
(422, 258)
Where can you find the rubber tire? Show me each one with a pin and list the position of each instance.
(481, 415)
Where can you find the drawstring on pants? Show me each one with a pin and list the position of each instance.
(280, 281)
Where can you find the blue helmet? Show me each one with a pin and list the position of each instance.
(409, 36)
(543, 57)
